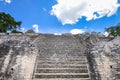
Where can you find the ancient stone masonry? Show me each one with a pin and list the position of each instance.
(59, 57)
(106, 56)
(4, 49)
(17, 61)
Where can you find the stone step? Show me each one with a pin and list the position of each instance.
(61, 49)
(61, 66)
(69, 52)
(63, 60)
(61, 70)
(63, 79)
(70, 62)
(67, 58)
(60, 55)
(62, 75)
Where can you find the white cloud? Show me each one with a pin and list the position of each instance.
(69, 11)
(36, 28)
(22, 29)
(57, 34)
(106, 34)
(77, 31)
(8, 1)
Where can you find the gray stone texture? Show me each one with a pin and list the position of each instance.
(59, 57)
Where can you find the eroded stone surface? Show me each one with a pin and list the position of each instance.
(59, 57)
(107, 59)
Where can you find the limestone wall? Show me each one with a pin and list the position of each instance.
(23, 66)
(19, 63)
(107, 59)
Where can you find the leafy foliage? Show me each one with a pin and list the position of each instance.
(8, 23)
(114, 30)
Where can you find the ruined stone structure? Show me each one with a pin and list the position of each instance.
(59, 57)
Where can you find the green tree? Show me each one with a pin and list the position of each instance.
(118, 30)
(114, 30)
(8, 23)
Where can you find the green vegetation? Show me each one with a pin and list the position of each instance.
(113, 30)
(8, 23)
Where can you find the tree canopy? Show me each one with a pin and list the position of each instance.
(114, 30)
(8, 23)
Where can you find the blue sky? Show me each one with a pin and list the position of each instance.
(62, 16)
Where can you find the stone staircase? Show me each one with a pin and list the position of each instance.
(61, 58)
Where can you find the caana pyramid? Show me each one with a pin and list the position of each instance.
(32, 56)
